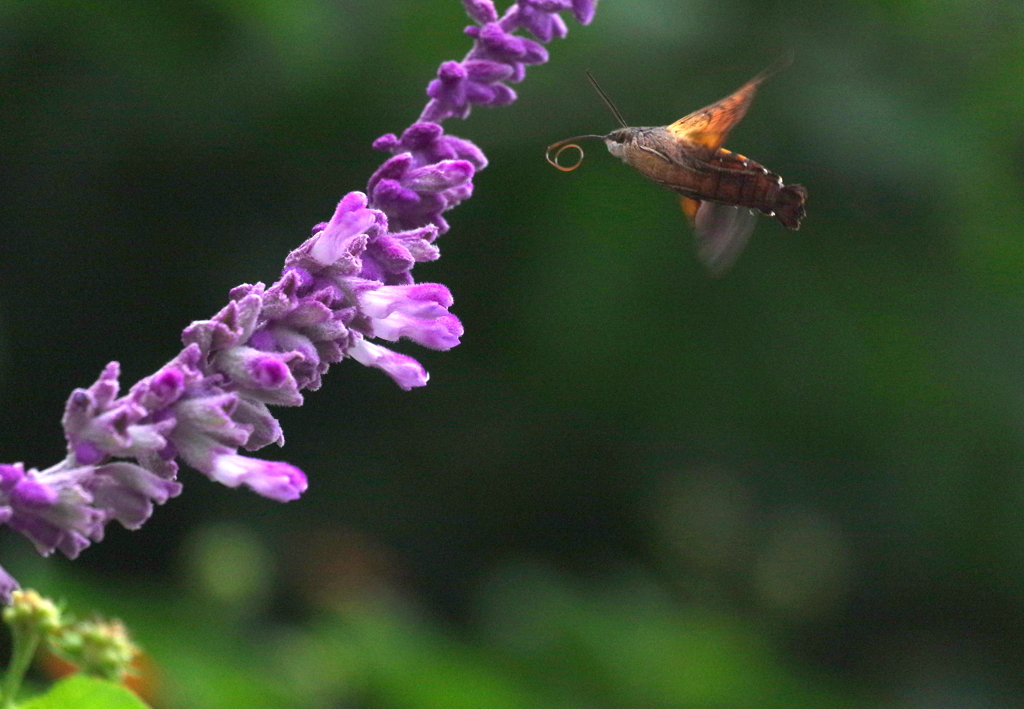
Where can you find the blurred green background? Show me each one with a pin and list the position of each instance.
(630, 486)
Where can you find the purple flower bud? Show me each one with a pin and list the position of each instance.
(349, 221)
(278, 481)
(392, 169)
(265, 428)
(10, 475)
(436, 333)
(98, 426)
(129, 492)
(584, 10)
(473, 81)
(439, 176)
(7, 586)
(204, 424)
(412, 196)
(234, 324)
(408, 209)
(423, 300)
(390, 193)
(451, 73)
(428, 144)
(541, 18)
(160, 390)
(267, 372)
(387, 260)
(387, 142)
(419, 243)
(481, 71)
(406, 371)
(498, 45)
(87, 452)
(31, 494)
(550, 6)
(481, 10)
(54, 510)
(260, 375)
(502, 95)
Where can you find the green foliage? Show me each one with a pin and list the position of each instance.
(81, 692)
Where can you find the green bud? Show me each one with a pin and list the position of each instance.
(99, 647)
(30, 611)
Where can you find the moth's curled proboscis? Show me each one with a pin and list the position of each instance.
(554, 160)
(564, 145)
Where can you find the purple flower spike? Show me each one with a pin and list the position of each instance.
(498, 55)
(347, 285)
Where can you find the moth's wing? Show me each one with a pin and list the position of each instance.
(722, 232)
(710, 126)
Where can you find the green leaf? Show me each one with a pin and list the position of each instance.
(81, 692)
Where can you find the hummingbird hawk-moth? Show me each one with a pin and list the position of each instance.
(720, 191)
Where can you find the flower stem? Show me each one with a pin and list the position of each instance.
(25, 641)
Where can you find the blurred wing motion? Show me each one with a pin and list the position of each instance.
(710, 126)
(722, 231)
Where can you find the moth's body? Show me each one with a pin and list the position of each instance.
(695, 173)
(719, 190)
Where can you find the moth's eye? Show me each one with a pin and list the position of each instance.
(618, 136)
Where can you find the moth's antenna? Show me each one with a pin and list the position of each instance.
(778, 65)
(607, 101)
